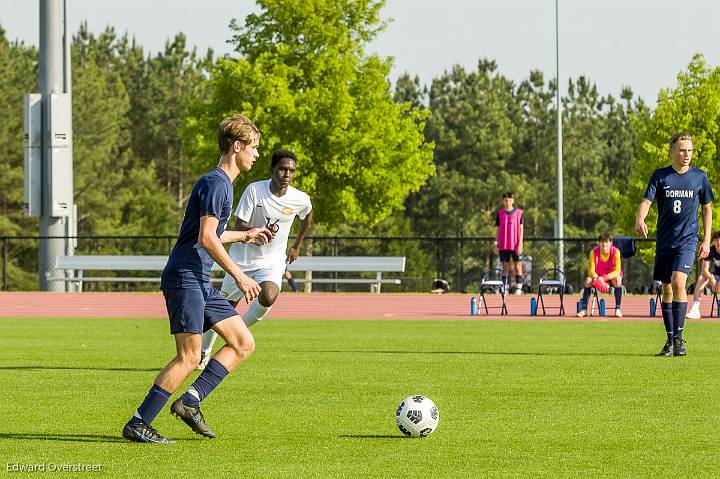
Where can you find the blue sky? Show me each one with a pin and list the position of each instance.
(643, 44)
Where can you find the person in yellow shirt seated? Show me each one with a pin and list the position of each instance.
(604, 270)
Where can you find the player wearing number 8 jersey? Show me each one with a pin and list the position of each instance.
(679, 191)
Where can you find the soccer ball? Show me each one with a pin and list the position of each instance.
(417, 416)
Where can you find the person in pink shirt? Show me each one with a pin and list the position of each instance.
(509, 244)
(604, 270)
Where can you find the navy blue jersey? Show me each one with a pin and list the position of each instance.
(189, 264)
(678, 198)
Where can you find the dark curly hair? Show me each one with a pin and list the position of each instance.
(281, 154)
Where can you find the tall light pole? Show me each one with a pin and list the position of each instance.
(560, 226)
(48, 146)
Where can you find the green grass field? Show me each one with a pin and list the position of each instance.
(317, 399)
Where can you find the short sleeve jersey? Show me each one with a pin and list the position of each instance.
(258, 207)
(714, 259)
(678, 198)
(189, 264)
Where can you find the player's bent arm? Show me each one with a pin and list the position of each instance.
(209, 240)
(241, 225)
(258, 236)
(305, 225)
(211, 243)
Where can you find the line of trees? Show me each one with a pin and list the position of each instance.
(378, 159)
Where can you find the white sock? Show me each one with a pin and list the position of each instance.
(208, 339)
(255, 313)
(696, 304)
(193, 392)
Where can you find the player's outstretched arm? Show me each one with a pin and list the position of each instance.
(640, 227)
(211, 243)
(256, 236)
(707, 230)
(294, 250)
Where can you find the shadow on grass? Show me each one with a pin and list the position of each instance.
(73, 368)
(73, 437)
(372, 436)
(62, 437)
(484, 353)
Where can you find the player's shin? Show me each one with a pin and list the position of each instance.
(667, 315)
(586, 297)
(618, 296)
(208, 340)
(208, 380)
(151, 406)
(255, 313)
(678, 311)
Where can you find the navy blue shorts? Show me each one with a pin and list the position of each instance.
(667, 263)
(508, 254)
(196, 310)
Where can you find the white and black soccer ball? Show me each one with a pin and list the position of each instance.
(417, 416)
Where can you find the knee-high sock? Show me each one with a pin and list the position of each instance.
(255, 313)
(667, 315)
(293, 284)
(586, 297)
(618, 296)
(208, 380)
(678, 310)
(151, 406)
(208, 339)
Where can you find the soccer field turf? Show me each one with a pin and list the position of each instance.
(317, 399)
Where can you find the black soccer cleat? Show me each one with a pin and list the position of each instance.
(192, 417)
(667, 350)
(142, 432)
(679, 347)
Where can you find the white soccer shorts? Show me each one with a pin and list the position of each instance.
(233, 293)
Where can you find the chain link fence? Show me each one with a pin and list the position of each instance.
(459, 261)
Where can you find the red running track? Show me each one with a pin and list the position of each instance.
(314, 305)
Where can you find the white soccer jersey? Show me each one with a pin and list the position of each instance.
(259, 207)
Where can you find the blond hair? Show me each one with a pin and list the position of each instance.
(679, 137)
(236, 128)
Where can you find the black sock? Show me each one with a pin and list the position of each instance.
(519, 281)
(678, 311)
(618, 297)
(585, 298)
(667, 315)
(293, 284)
